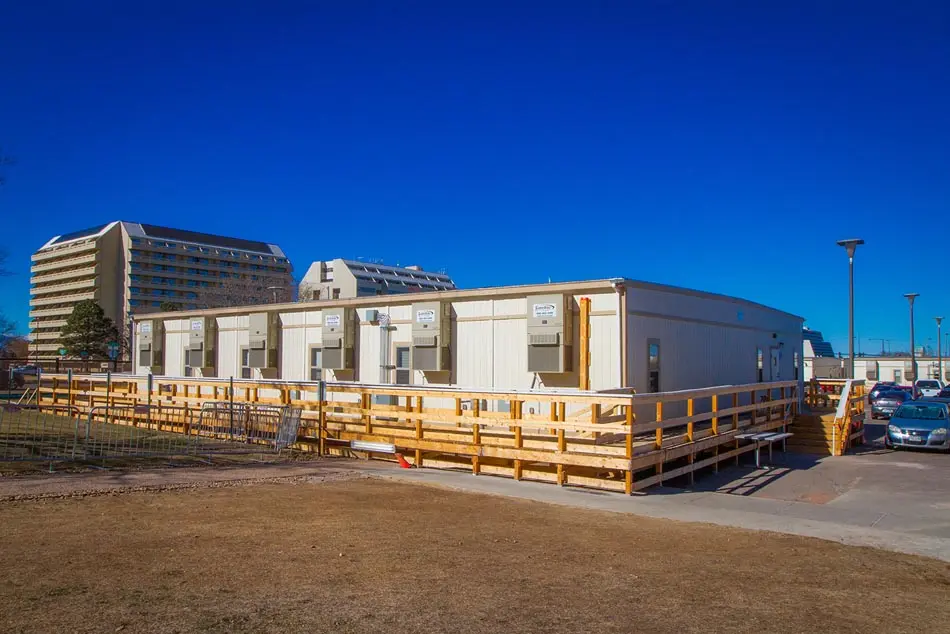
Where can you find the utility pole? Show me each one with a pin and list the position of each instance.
(882, 344)
(939, 352)
(913, 352)
(850, 246)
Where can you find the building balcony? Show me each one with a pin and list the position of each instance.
(45, 336)
(51, 312)
(63, 299)
(48, 323)
(64, 263)
(55, 253)
(62, 288)
(66, 274)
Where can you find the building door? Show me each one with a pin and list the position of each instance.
(775, 355)
(403, 369)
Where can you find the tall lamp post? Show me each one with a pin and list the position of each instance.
(913, 352)
(939, 351)
(850, 246)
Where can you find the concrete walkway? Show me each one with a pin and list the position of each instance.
(915, 524)
(897, 501)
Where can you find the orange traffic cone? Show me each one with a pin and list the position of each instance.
(403, 462)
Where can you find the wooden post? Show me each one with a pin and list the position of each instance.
(689, 425)
(553, 417)
(365, 404)
(476, 441)
(715, 419)
(419, 430)
(561, 448)
(735, 415)
(628, 451)
(659, 429)
(755, 408)
(595, 417)
(458, 410)
(583, 374)
(516, 407)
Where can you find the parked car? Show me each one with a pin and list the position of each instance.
(922, 424)
(879, 388)
(888, 402)
(927, 388)
(24, 370)
(944, 393)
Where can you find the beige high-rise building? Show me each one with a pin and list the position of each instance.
(128, 267)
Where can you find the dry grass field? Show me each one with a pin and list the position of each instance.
(368, 555)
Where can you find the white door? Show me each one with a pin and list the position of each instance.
(775, 355)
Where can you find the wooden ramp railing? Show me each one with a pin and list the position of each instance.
(610, 440)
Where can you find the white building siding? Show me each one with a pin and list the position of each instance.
(706, 341)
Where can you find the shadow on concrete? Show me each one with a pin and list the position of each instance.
(744, 479)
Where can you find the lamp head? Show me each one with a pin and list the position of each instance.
(850, 245)
(911, 296)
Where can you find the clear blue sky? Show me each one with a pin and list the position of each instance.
(717, 145)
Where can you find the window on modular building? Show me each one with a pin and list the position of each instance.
(316, 364)
(760, 364)
(156, 304)
(245, 363)
(898, 376)
(403, 371)
(796, 360)
(189, 370)
(653, 366)
(336, 293)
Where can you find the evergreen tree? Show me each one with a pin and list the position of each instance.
(88, 331)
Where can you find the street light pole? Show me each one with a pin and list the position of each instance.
(850, 245)
(913, 352)
(939, 351)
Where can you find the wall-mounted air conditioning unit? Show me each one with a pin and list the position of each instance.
(202, 340)
(151, 339)
(550, 333)
(339, 335)
(262, 335)
(431, 336)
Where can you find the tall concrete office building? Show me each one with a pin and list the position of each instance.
(129, 267)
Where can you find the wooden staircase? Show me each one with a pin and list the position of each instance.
(813, 433)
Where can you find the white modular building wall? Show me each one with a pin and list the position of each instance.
(707, 340)
(488, 345)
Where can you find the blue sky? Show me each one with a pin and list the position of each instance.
(717, 145)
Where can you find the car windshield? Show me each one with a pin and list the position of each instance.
(928, 385)
(894, 395)
(922, 412)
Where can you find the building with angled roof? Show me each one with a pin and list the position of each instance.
(129, 267)
(344, 279)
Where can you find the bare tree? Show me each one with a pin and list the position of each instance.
(245, 290)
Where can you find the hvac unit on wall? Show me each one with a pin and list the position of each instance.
(550, 333)
(202, 335)
(151, 338)
(262, 343)
(339, 330)
(431, 336)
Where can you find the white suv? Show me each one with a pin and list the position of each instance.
(927, 388)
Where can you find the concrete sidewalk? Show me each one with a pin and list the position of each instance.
(919, 528)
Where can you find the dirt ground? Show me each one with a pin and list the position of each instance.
(368, 555)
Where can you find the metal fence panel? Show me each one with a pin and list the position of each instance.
(28, 434)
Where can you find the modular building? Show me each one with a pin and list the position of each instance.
(896, 369)
(638, 335)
